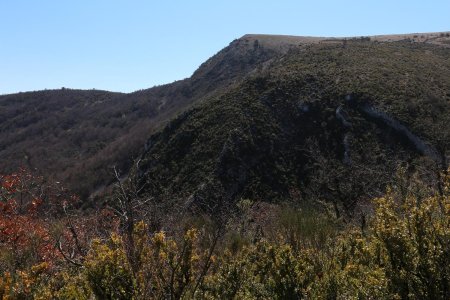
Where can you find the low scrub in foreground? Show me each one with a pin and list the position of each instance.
(401, 253)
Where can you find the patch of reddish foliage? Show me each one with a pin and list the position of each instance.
(38, 221)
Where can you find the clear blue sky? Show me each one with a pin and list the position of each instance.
(126, 45)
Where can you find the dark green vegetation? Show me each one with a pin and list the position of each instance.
(330, 120)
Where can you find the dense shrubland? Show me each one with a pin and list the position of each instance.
(49, 250)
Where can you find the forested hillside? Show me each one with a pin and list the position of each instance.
(329, 120)
(77, 137)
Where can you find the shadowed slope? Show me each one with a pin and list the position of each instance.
(281, 129)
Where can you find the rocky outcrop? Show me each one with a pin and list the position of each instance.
(344, 118)
(420, 145)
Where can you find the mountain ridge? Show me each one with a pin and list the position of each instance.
(281, 130)
(124, 121)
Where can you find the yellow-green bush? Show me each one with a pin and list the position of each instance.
(415, 237)
(405, 255)
(108, 271)
(262, 271)
(163, 267)
(350, 270)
